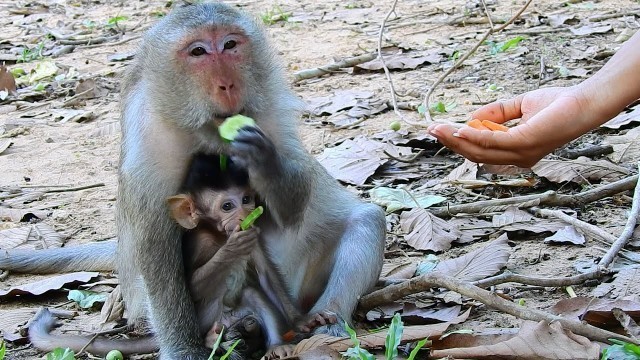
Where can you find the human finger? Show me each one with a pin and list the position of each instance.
(500, 111)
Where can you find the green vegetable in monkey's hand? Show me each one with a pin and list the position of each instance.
(251, 218)
(231, 126)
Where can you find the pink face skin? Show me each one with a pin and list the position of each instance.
(214, 58)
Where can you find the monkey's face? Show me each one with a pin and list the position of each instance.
(215, 59)
(229, 207)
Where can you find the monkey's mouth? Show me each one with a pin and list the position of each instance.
(219, 118)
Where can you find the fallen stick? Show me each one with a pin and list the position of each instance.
(548, 198)
(623, 239)
(508, 276)
(439, 280)
(345, 63)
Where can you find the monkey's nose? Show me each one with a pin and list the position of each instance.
(225, 87)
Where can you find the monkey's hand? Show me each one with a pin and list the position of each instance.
(252, 149)
(240, 244)
(311, 321)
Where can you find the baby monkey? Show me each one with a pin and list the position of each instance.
(231, 282)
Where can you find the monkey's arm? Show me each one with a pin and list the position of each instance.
(282, 174)
(208, 281)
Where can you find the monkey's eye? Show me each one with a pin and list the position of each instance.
(198, 51)
(230, 44)
(228, 206)
(247, 200)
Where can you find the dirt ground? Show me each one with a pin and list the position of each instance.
(50, 152)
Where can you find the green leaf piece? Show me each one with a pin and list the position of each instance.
(61, 354)
(394, 336)
(415, 350)
(251, 218)
(86, 299)
(231, 126)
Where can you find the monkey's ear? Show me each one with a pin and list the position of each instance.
(183, 210)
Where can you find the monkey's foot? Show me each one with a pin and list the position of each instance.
(314, 320)
(279, 352)
(336, 329)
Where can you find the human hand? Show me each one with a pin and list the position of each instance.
(549, 118)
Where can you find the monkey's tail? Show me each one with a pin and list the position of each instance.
(39, 334)
(97, 256)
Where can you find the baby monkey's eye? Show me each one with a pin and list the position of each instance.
(247, 199)
(230, 44)
(228, 206)
(198, 51)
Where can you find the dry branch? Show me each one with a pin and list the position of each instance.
(586, 228)
(508, 276)
(548, 198)
(492, 30)
(425, 282)
(348, 62)
(628, 229)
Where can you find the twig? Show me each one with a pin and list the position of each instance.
(548, 198)
(123, 41)
(584, 226)
(409, 160)
(589, 150)
(508, 276)
(93, 41)
(628, 229)
(457, 64)
(348, 62)
(106, 332)
(77, 188)
(425, 282)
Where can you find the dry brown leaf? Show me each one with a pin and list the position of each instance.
(11, 320)
(628, 324)
(511, 215)
(416, 313)
(625, 282)
(566, 235)
(626, 148)
(533, 341)
(18, 215)
(480, 263)
(591, 29)
(4, 144)
(402, 61)
(48, 284)
(624, 118)
(113, 308)
(557, 20)
(471, 229)
(425, 231)
(477, 338)
(597, 312)
(31, 237)
(353, 161)
(580, 170)
(7, 82)
(468, 170)
(403, 270)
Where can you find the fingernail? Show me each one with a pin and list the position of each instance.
(455, 134)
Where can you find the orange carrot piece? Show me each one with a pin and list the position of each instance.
(289, 336)
(494, 126)
(477, 124)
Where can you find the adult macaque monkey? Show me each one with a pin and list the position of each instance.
(197, 66)
(228, 274)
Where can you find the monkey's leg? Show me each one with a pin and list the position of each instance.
(151, 268)
(357, 262)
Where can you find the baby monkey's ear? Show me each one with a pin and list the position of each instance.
(183, 210)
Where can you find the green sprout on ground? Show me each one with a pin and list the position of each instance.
(61, 354)
(3, 349)
(504, 46)
(392, 341)
(438, 107)
(115, 21)
(217, 345)
(621, 350)
(32, 54)
(274, 15)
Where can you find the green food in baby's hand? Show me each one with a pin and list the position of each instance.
(231, 126)
(251, 218)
